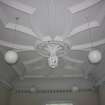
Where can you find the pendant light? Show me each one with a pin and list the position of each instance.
(11, 57)
(75, 89)
(94, 56)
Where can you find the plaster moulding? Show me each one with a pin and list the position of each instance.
(15, 46)
(88, 45)
(82, 6)
(29, 48)
(19, 6)
(53, 76)
(20, 28)
(82, 28)
(29, 31)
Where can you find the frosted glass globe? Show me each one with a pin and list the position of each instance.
(95, 56)
(32, 89)
(11, 57)
(75, 89)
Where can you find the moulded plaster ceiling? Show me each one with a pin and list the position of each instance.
(71, 20)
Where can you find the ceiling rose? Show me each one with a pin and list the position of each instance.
(52, 50)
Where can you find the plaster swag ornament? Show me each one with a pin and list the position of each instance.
(53, 50)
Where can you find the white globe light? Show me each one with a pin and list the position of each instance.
(95, 56)
(32, 89)
(11, 57)
(75, 89)
(58, 38)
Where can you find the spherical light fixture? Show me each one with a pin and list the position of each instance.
(11, 57)
(75, 89)
(32, 89)
(95, 56)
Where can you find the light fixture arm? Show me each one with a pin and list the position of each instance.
(94, 56)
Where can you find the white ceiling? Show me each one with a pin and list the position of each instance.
(71, 20)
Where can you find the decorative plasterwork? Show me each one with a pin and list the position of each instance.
(19, 6)
(82, 6)
(20, 28)
(76, 30)
(83, 27)
(55, 76)
(51, 48)
(55, 92)
(29, 48)
(15, 46)
(88, 45)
